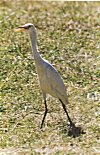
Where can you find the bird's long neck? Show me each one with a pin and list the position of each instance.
(33, 38)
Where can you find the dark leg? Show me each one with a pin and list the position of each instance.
(45, 113)
(64, 107)
(73, 130)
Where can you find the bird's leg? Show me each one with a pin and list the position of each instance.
(73, 130)
(64, 107)
(46, 109)
(45, 113)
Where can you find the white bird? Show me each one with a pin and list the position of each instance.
(49, 79)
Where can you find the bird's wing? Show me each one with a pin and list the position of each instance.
(55, 80)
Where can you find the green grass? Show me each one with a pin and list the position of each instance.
(69, 38)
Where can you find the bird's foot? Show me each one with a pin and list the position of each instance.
(70, 125)
(75, 131)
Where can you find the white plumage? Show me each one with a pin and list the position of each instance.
(50, 80)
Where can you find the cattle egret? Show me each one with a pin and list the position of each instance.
(49, 79)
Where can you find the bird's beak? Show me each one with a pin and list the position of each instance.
(20, 29)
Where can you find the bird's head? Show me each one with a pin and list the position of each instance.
(27, 27)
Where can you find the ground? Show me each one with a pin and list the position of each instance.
(69, 38)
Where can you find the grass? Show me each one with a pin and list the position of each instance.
(69, 38)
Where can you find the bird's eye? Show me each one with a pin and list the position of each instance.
(28, 26)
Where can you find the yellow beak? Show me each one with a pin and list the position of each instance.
(19, 29)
